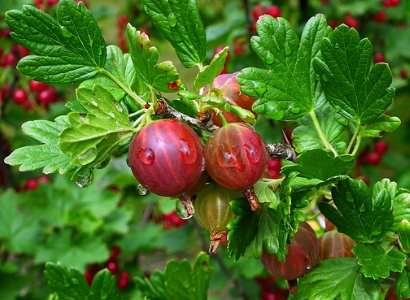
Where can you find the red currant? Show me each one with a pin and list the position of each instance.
(277, 294)
(213, 212)
(394, 2)
(39, 3)
(381, 148)
(47, 96)
(112, 266)
(303, 254)
(123, 280)
(31, 184)
(378, 57)
(115, 253)
(273, 11)
(404, 74)
(51, 3)
(235, 156)
(37, 86)
(166, 157)
(20, 96)
(122, 21)
(350, 21)
(380, 16)
(258, 11)
(335, 244)
(372, 158)
(8, 60)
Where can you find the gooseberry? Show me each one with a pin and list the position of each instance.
(335, 244)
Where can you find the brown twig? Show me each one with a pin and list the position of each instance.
(163, 109)
(281, 151)
(250, 195)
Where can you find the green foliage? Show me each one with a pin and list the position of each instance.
(358, 90)
(180, 23)
(179, 280)
(47, 156)
(388, 260)
(65, 50)
(287, 89)
(69, 284)
(215, 67)
(337, 279)
(364, 215)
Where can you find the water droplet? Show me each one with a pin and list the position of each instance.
(142, 190)
(112, 115)
(87, 156)
(84, 179)
(146, 155)
(94, 103)
(172, 20)
(65, 32)
(252, 154)
(187, 152)
(182, 212)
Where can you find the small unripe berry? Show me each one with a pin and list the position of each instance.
(20, 96)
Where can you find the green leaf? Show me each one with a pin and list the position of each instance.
(62, 247)
(92, 137)
(305, 136)
(159, 76)
(69, 284)
(337, 279)
(403, 284)
(265, 191)
(401, 212)
(320, 164)
(104, 287)
(179, 281)
(388, 260)
(383, 124)
(287, 89)
(65, 50)
(47, 156)
(179, 21)
(366, 216)
(404, 237)
(209, 72)
(19, 233)
(358, 89)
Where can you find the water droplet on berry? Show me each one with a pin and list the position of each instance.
(146, 155)
(84, 179)
(141, 190)
(182, 211)
(231, 159)
(187, 152)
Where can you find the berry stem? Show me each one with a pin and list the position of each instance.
(130, 92)
(215, 239)
(163, 109)
(187, 203)
(321, 134)
(250, 195)
(281, 151)
(354, 138)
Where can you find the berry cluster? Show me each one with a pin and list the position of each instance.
(45, 4)
(123, 277)
(374, 155)
(43, 94)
